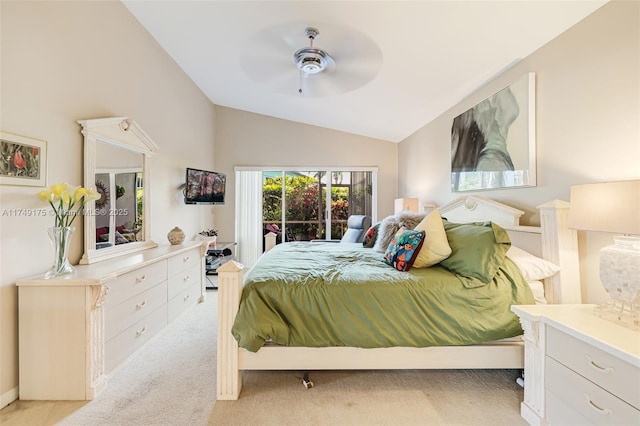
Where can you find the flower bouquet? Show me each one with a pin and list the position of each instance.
(67, 202)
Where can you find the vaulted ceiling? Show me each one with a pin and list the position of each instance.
(397, 64)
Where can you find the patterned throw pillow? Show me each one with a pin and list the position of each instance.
(391, 224)
(371, 235)
(404, 249)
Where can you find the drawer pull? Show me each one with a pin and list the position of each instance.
(141, 331)
(594, 406)
(186, 259)
(140, 279)
(141, 304)
(187, 297)
(186, 278)
(597, 367)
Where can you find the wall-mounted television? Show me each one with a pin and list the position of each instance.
(204, 187)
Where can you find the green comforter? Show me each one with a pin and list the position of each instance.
(341, 294)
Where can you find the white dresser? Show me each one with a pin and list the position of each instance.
(74, 331)
(579, 369)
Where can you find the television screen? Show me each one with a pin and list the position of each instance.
(204, 187)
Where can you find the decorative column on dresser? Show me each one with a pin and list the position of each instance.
(75, 330)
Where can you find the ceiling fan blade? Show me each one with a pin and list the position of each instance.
(369, 65)
(346, 76)
(263, 67)
(268, 59)
(332, 84)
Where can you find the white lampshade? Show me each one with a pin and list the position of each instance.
(406, 204)
(606, 207)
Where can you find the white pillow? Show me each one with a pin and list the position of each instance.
(537, 288)
(532, 267)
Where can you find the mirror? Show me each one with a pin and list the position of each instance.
(118, 212)
(116, 155)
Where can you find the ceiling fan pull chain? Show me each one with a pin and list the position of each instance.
(300, 89)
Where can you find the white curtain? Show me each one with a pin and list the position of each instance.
(249, 232)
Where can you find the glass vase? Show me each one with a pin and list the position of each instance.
(60, 239)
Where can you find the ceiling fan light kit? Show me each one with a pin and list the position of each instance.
(311, 60)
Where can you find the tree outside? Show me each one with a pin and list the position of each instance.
(304, 203)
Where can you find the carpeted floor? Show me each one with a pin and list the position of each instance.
(171, 381)
(436, 397)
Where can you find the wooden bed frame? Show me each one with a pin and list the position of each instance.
(552, 241)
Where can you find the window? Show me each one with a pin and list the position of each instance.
(300, 210)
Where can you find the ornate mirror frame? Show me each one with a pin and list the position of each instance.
(123, 133)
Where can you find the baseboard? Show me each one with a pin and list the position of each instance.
(8, 397)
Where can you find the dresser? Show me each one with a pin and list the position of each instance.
(75, 331)
(580, 369)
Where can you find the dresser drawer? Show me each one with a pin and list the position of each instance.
(559, 413)
(590, 401)
(183, 261)
(135, 282)
(182, 301)
(602, 368)
(183, 280)
(119, 317)
(132, 338)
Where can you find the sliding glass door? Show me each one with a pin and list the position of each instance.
(351, 194)
(293, 203)
(300, 210)
(303, 206)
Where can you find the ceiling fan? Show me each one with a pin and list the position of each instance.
(355, 60)
(312, 60)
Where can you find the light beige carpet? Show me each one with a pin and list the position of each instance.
(171, 382)
(436, 397)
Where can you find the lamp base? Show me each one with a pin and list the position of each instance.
(620, 312)
(620, 276)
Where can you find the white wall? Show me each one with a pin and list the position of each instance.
(64, 61)
(588, 124)
(248, 139)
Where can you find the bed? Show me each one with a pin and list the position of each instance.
(394, 349)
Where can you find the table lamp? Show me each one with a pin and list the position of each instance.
(406, 204)
(613, 207)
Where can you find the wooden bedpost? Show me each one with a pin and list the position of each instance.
(269, 241)
(560, 246)
(229, 376)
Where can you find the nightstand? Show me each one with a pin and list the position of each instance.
(579, 368)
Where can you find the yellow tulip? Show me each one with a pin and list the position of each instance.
(66, 198)
(63, 199)
(80, 192)
(58, 189)
(45, 195)
(95, 195)
(92, 194)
